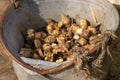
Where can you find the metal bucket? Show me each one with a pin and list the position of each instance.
(34, 13)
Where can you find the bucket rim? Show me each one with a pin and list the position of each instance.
(42, 71)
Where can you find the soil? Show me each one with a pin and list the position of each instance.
(6, 69)
(114, 73)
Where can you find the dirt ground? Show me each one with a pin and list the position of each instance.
(7, 71)
(114, 73)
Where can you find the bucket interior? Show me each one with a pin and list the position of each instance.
(34, 13)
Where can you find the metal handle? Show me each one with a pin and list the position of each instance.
(16, 3)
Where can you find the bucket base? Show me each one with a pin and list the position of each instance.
(26, 74)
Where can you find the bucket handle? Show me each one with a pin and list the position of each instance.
(16, 3)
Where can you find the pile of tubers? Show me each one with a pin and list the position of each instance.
(61, 40)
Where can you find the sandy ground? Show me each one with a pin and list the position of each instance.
(6, 69)
(114, 73)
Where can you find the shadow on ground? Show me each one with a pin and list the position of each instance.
(114, 73)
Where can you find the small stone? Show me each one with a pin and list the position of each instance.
(79, 30)
(37, 43)
(76, 37)
(83, 24)
(82, 41)
(40, 52)
(36, 56)
(26, 52)
(59, 60)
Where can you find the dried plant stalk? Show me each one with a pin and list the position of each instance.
(93, 15)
